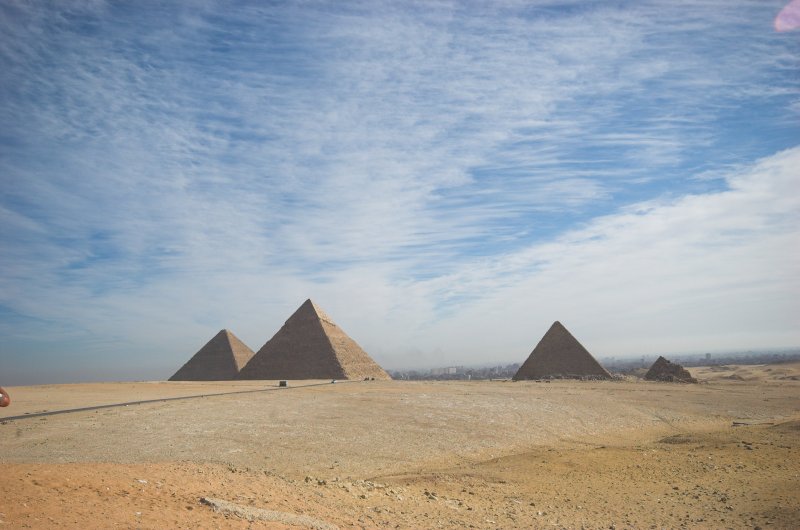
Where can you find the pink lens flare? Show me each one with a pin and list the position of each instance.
(789, 17)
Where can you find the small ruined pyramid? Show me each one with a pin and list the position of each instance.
(219, 360)
(311, 346)
(664, 370)
(559, 355)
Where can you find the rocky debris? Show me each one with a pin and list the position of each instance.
(258, 514)
(664, 370)
(361, 489)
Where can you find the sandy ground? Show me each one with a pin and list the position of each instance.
(409, 455)
(751, 372)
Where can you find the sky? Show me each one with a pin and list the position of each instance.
(445, 179)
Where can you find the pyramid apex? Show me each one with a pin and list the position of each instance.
(225, 332)
(228, 333)
(310, 306)
(313, 304)
(558, 327)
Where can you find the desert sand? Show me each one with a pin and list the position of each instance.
(396, 454)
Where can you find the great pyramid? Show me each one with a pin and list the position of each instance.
(219, 360)
(559, 355)
(311, 346)
(664, 370)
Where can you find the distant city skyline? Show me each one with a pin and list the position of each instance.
(444, 179)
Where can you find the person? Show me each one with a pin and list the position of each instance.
(5, 399)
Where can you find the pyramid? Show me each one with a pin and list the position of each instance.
(311, 346)
(664, 370)
(559, 355)
(219, 360)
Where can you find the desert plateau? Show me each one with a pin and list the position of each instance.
(402, 454)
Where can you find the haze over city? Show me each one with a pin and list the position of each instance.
(445, 179)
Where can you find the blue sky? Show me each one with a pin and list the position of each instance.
(444, 178)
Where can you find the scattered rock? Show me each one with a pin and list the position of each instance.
(257, 514)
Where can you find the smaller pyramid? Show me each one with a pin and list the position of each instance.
(219, 360)
(559, 355)
(664, 370)
(311, 346)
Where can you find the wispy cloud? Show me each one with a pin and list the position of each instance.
(184, 168)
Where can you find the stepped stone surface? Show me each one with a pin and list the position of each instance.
(219, 360)
(664, 370)
(559, 355)
(311, 346)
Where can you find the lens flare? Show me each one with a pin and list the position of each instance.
(789, 17)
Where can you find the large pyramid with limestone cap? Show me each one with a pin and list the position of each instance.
(219, 360)
(560, 355)
(311, 346)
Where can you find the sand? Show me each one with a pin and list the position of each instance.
(395, 454)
